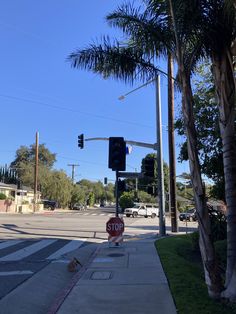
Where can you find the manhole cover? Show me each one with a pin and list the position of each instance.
(101, 275)
(116, 254)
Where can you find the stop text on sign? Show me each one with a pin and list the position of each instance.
(115, 226)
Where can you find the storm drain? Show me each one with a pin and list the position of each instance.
(116, 254)
(101, 275)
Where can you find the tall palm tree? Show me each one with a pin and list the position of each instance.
(219, 37)
(151, 35)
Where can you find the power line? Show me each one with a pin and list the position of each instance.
(73, 110)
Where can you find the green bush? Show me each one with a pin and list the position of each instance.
(2, 196)
(218, 226)
(126, 200)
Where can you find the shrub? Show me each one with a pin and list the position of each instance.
(126, 200)
(2, 196)
(218, 225)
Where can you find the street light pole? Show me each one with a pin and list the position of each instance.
(161, 195)
(36, 171)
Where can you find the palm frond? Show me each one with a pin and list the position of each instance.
(152, 33)
(114, 60)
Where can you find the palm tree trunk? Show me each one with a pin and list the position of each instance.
(171, 141)
(225, 92)
(211, 269)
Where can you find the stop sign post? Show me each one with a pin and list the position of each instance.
(115, 226)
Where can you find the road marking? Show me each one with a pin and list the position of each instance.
(16, 272)
(86, 214)
(71, 246)
(29, 250)
(94, 214)
(3, 245)
(102, 214)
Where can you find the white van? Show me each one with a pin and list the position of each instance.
(145, 210)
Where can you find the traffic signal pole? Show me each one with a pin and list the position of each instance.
(117, 194)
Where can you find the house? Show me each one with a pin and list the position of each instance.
(18, 200)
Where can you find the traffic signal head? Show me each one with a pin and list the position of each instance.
(150, 190)
(117, 153)
(105, 180)
(149, 165)
(81, 141)
(121, 185)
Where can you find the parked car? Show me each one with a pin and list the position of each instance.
(189, 215)
(145, 210)
(48, 204)
(78, 207)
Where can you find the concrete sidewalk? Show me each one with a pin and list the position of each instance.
(128, 279)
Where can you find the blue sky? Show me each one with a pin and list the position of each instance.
(39, 91)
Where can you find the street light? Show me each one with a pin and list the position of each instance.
(161, 194)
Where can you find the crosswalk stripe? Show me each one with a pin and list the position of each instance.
(29, 250)
(71, 246)
(16, 272)
(94, 214)
(6, 244)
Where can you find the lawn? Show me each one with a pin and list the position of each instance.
(183, 268)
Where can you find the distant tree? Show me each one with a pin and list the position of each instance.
(143, 183)
(58, 186)
(78, 195)
(24, 164)
(110, 192)
(126, 200)
(26, 155)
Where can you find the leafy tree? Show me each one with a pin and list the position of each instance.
(126, 200)
(143, 183)
(58, 187)
(207, 125)
(78, 195)
(24, 163)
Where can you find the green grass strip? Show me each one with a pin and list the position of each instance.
(183, 268)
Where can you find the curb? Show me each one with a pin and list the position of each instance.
(59, 300)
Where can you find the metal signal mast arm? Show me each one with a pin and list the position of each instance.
(141, 144)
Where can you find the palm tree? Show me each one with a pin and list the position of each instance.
(152, 34)
(219, 38)
(216, 33)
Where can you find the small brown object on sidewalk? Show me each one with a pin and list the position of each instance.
(72, 266)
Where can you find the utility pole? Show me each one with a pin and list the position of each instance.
(73, 171)
(36, 170)
(171, 137)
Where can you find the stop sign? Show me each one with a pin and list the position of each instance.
(115, 226)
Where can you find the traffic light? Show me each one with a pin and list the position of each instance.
(150, 189)
(105, 180)
(117, 153)
(121, 185)
(81, 141)
(149, 165)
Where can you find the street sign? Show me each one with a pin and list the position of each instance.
(115, 226)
